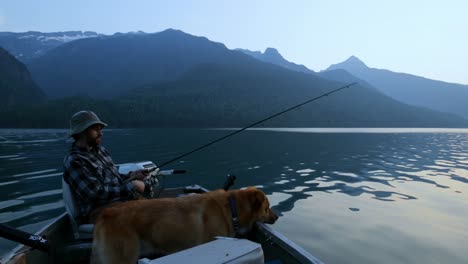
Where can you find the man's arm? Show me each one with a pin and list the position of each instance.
(90, 188)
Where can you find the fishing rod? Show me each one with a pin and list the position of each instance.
(249, 126)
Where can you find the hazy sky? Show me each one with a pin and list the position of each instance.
(422, 37)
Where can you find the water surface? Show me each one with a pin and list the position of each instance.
(346, 195)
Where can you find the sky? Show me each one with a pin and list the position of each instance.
(422, 37)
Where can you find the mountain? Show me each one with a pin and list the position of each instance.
(16, 85)
(32, 44)
(411, 89)
(343, 76)
(108, 66)
(272, 55)
(236, 95)
(174, 79)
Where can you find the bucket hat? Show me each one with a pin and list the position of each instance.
(81, 120)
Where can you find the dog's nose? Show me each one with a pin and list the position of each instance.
(273, 216)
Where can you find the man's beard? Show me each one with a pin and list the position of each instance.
(94, 142)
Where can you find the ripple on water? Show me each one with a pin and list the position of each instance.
(459, 172)
(297, 189)
(30, 141)
(435, 167)
(379, 173)
(44, 176)
(19, 158)
(305, 171)
(10, 216)
(276, 197)
(41, 194)
(281, 182)
(8, 183)
(9, 156)
(421, 173)
(347, 174)
(33, 173)
(404, 166)
(382, 177)
(9, 203)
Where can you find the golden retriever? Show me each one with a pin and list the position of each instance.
(163, 226)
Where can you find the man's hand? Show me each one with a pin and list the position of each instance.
(139, 174)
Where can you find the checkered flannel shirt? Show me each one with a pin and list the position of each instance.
(94, 179)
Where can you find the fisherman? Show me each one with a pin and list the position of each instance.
(92, 175)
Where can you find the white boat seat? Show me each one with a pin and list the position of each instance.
(86, 231)
(221, 250)
(79, 231)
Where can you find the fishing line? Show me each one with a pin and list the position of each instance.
(249, 126)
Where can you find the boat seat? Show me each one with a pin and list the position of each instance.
(79, 231)
(86, 231)
(221, 250)
(86, 228)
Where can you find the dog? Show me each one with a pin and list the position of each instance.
(126, 231)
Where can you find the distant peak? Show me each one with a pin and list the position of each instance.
(172, 31)
(271, 51)
(139, 32)
(354, 61)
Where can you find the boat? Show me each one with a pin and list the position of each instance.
(62, 241)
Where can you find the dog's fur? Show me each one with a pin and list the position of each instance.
(168, 225)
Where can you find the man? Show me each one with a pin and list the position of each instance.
(89, 170)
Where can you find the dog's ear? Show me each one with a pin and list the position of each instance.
(256, 198)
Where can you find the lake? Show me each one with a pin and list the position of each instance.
(345, 195)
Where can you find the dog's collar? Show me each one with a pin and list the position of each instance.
(235, 217)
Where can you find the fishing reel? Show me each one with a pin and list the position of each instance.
(155, 182)
(152, 185)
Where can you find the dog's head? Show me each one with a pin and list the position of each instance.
(259, 206)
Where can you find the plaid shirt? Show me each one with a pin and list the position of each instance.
(94, 179)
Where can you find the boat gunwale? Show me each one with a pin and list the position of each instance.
(45, 229)
(287, 244)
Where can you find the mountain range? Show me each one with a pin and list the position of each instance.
(411, 89)
(32, 44)
(272, 55)
(173, 78)
(108, 66)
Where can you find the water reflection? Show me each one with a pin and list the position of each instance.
(355, 165)
(289, 167)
